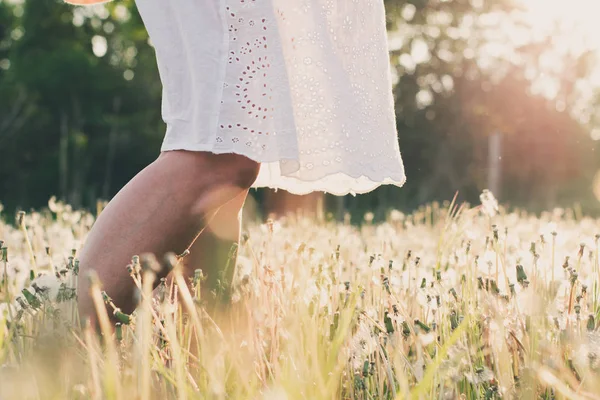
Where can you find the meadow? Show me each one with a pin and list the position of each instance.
(449, 302)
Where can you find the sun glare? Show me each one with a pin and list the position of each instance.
(574, 29)
(577, 21)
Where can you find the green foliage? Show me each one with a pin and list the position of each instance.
(547, 157)
(80, 129)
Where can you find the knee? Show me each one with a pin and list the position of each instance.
(241, 171)
(228, 169)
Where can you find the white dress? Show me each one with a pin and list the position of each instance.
(301, 86)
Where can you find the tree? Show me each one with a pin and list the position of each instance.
(453, 91)
(88, 109)
(80, 105)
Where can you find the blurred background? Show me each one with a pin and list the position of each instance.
(498, 94)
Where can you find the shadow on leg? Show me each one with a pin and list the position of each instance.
(215, 252)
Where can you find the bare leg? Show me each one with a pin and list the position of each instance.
(214, 252)
(161, 210)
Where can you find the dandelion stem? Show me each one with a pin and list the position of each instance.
(145, 332)
(23, 227)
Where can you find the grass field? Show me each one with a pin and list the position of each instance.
(450, 302)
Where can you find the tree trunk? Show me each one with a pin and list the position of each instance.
(112, 145)
(494, 163)
(63, 155)
(78, 151)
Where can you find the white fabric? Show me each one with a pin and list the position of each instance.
(302, 86)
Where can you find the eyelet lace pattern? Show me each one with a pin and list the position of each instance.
(301, 86)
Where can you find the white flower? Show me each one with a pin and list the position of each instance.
(53, 205)
(427, 339)
(489, 203)
(49, 283)
(363, 343)
(548, 229)
(396, 216)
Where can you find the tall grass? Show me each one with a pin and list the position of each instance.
(450, 302)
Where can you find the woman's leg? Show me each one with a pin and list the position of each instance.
(161, 210)
(214, 252)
